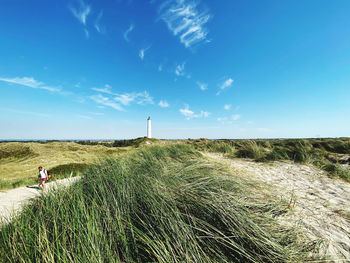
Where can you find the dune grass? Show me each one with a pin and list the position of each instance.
(19, 161)
(324, 153)
(155, 204)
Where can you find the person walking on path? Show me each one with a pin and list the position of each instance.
(42, 177)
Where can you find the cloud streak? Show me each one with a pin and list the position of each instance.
(142, 52)
(190, 114)
(97, 24)
(180, 69)
(107, 89)
(31, 83)
(81, 12)
(184, 19)
(127, 32)
(226, 84)
(140, 98)
(105, 101)
(87, 33)
(202, 86)
(227, 106)
(236, 117)
(118, 101)
(163, 104)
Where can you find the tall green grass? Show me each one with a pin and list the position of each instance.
(250, 149)
(69, 169)
(319, 152)
(157, 204)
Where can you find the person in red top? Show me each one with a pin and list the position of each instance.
(42, 177)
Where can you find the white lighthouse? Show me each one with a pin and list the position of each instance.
(149, 128)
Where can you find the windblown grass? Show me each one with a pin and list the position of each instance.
(319, 152)
(157, 204)
(250, 149)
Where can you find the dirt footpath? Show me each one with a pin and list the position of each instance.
(12, 200)
(321, 205)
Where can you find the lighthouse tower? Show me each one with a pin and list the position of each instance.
(149, 129)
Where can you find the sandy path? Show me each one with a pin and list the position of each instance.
(12, 200)
(321, 205)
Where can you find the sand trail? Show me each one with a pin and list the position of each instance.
(11, 201)
(320, 205)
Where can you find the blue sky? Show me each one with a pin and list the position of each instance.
(79, 69)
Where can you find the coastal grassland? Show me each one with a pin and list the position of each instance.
(161, 203)
(19, 161)
(331, 155)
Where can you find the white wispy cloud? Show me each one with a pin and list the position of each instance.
(163, 104)
(142, 52)
(105, 101)
(125, 99)
(99, 28)
(117, 101)
(184, 19)
(31, 83)
(160, 67)
(87, 34)
(187, 112)
(106, 89)
(127, 32)
(144, 98)
(204, 114)
(190, 114)
(141, 98)
(81, 12)
(226, 84)
(221, 119)
(202, 86)
(227, 106)
(236, 117)
(180, 69)
(224, 120)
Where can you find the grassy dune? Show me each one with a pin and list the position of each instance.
(154, 204)
(19, 161)
(331, 155)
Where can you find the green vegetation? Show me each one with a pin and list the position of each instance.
(154, 204)
(19, 161)
(327, 154)
(250, 149)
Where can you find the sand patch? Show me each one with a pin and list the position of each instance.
(11, 201)
(320, 205)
